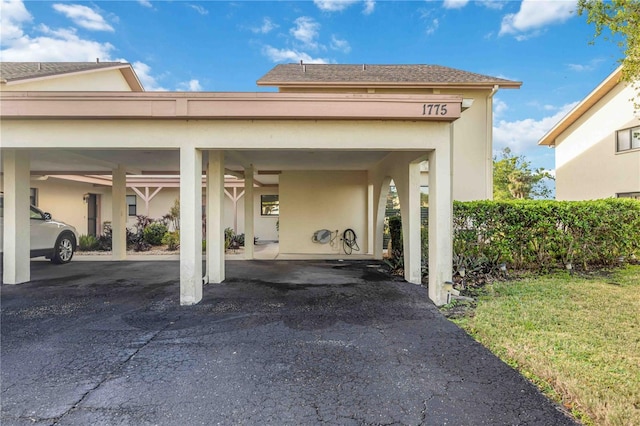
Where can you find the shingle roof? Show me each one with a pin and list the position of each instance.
(14, 71)
(393, 75)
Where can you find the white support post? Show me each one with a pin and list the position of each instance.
(409, 194)
(190, 225)
(370, 219)
(16, 241)
(440, 223)
(215, 215)
(119, 214)
(248, 213)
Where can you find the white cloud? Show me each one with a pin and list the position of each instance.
(520, 135)
(55, 45)
(190, 86)
(149, 82)
(534, 15)
(369, 6)
(454, 4)
(431, 22)
(201, 10)
(306, 31)
(266, 27)
(333, 5)
(13, 15)
(590, 66)
(492, 4)
(145, 3)
(340, 45)
(83, 16)
(499, 107)
(289, 55)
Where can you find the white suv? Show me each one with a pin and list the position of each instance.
(54, 240)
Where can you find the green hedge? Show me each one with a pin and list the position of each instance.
(545, 234)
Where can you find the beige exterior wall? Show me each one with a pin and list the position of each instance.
(472, 134)
(314, 200)
(587, 165)
(102, 80)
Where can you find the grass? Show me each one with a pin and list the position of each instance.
(576, 337)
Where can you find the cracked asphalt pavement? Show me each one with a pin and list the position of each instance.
(280, 342)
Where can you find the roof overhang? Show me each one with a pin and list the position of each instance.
(126, 69)
(598, 93)
(489, 85)
(228, 106)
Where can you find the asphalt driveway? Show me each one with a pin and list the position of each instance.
(280, 342)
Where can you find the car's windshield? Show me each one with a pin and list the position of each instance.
(35, 213)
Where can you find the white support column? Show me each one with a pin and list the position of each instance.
(370, 219)
(248, 213)
(119, 214)
(215, 215)
(409, 195)
(190, 225)
(440, 223)
(16, 242)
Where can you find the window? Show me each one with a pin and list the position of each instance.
(33, 196)
(132, 207)
(628, 139)
(634, 195)
(269, 205)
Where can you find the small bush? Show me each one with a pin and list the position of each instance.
(87, 243)
(172, 240)
(153, 233)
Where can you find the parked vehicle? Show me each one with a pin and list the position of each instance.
(54, 240)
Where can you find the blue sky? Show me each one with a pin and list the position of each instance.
(227, 46)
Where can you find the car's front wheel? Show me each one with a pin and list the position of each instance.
(63, 250)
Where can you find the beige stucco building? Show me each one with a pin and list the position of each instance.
(328, 147)
(597, 145)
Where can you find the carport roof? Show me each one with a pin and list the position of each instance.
(427, 76)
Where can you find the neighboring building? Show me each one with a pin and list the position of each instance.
(68, 76)
(597, 145)
(320, 154)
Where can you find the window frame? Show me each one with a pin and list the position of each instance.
(263, 208)
(134, 205)
(630, 131)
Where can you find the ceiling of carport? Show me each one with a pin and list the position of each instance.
(167, 162)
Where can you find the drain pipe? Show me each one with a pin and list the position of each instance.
(489, 143)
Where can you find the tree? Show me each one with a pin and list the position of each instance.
(622, 18)
(514, 179)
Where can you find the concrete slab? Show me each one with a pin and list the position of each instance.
(280, 342)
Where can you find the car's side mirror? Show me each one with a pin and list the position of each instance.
(47, 216)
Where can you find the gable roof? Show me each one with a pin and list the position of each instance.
(364, 75)
(592, 98)
(19, 72)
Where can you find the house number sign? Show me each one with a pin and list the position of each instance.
(434, 109)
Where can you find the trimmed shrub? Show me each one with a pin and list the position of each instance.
(545, 234)
(87, 242)
(153, 233)
(172, 240)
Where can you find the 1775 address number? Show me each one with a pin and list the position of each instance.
(434, 109)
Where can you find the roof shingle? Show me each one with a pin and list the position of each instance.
(14, 71)
(342, 74)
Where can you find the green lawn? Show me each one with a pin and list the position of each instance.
(578, 338)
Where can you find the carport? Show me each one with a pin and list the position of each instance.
(196, 134)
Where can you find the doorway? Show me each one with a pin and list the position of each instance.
(92, 215)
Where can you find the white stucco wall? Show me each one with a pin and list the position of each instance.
(103, 80)
(587, 165)
(314, 200)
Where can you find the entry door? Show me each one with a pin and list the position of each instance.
(92, 215)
